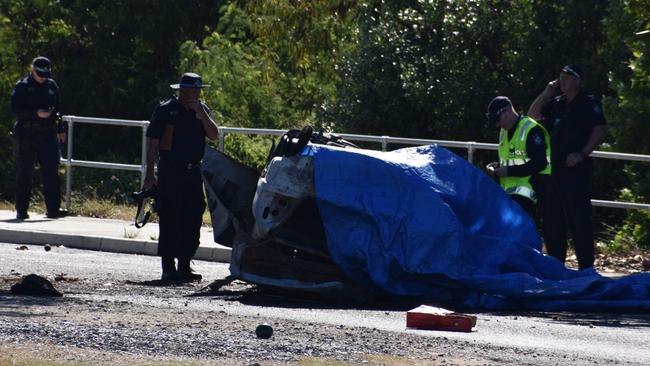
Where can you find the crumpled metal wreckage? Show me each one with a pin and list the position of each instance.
(270, 219)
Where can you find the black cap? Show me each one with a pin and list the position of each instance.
(42, 66)
(496, 107)
(572, 70)
(189, 80)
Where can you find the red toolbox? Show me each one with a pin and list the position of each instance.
(434, 318)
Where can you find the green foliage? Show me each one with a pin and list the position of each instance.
(635, 231)
(269, 76)
(111, 59)
(630, 107)
(249, 150)
(428, 69)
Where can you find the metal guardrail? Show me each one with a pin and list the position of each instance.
(69, 162)
(470, 146)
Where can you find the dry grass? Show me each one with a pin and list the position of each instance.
(99, 208)
(34, 354)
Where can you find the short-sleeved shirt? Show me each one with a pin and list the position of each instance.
(570, 125)
(29, 96)
(181, 133)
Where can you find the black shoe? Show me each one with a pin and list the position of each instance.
(170, 276)
(22, 216)
(56, 214)
(189, 276)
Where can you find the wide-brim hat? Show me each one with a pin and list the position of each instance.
(189, 80)
(42, 66)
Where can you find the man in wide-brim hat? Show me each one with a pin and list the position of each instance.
(176, 135)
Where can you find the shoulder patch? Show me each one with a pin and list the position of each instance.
(597, 109)
(537, 140)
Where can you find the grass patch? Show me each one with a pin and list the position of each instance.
(383, 360)
(104, 209)
(98, 208)
(130, 233)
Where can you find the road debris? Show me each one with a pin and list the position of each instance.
(35, 285)
(435, 318)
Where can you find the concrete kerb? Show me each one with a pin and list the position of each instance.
(101, 243)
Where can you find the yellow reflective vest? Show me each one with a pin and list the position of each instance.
(513, 152)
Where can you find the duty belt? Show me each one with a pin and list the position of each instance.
(181, 164)
(523, 191)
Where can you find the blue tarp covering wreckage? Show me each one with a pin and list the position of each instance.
(423, 221)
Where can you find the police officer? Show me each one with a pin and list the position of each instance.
(524, 156)
(35, 103)
(576, 124)
(176, 136)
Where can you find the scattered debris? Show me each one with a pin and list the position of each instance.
(434, 318)
(264, 331)
(62, 277)
(22, 247)
(35, 285)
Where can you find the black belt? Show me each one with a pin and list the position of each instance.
(181, 164)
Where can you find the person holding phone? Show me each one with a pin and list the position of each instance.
(176, 137)
(37, 134)
(576, 124)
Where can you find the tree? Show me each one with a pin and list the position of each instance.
(628, 25)
(111, 59)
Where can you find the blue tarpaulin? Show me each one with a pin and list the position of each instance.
(422, 221)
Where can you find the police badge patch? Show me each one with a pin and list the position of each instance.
(597, 109)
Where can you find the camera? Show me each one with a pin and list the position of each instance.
(147, 202)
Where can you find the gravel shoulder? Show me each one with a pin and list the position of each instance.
(116, 312)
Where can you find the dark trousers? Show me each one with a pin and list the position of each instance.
(181, 205)
(537, 211)
(44, 150)
(569, 204)
(526, 204)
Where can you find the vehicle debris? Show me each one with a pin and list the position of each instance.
(435, 318)
(35, 285)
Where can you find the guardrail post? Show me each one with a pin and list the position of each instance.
(384, 143)
(143, 165)
(470, 151)
(68, 172)
(222, 139)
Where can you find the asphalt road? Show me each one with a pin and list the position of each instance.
(128, 283)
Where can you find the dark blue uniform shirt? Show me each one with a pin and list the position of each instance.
(570, 125)
(181, 133)
(29, 96)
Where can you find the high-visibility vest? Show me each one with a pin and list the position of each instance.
(513, 152)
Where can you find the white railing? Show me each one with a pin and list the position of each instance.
(470, 146)
(69, 162)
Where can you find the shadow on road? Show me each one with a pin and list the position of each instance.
(256, 295)
(614, 320)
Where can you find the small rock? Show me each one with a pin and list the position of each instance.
(264, 331)
(646, 264)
